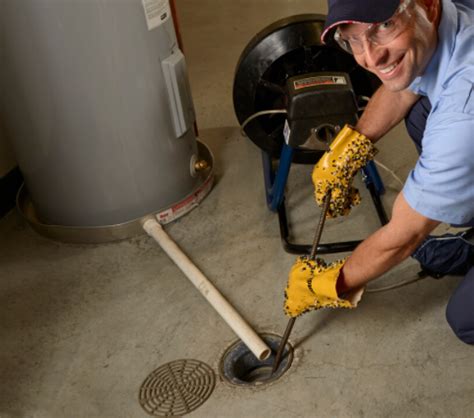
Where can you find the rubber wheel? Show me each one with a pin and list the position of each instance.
(286, 48)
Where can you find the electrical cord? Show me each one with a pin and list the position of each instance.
(362, 98)
(391, 172)
(256, 115)
(394, 286)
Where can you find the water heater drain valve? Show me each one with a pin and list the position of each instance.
(197, 165)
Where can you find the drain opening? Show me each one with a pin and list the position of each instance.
(177, 388)
(258, 374)
(240, 367)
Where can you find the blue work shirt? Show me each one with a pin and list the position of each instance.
(441, 186)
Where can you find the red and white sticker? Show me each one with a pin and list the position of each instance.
(319, 81)
(186, 205)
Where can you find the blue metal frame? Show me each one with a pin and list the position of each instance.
(275, 183)
(372, 176)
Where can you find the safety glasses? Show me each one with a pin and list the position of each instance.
(376, 33)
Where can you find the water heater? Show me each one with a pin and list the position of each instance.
(96, 102)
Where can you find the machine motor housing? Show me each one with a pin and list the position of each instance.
(319, 103)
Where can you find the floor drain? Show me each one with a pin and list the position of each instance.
(177, 388)
(240, 367)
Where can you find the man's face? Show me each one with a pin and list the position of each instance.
(404, 58)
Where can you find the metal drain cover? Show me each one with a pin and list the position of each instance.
(177, 388)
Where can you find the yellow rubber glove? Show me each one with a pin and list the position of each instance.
(348, 153)
(312, 285)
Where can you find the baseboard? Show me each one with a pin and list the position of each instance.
(9, 185)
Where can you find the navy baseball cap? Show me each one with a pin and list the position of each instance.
(357, 11)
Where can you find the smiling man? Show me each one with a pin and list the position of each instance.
(423, 52)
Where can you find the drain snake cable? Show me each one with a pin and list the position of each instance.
(378, 163)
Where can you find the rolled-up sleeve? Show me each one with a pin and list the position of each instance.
(441, 186)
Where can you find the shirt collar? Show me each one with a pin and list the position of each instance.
(431, 80)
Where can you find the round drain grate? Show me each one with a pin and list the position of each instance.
(177, 388)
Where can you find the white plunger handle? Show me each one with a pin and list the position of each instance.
(208, 290)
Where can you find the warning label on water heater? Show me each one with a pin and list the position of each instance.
(156, 12)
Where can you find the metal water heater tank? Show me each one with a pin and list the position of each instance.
(96, 101)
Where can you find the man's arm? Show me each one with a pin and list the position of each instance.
(384, 110)
(387, 247)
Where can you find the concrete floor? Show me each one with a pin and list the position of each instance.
(81, 326)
